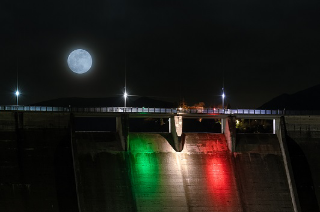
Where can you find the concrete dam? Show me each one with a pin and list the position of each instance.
(46, 165)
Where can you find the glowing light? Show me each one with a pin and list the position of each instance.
(17, 95)
(145, 167)
(125, 95)
(79, 61)
(218, 171)
(223, 96)
(237, 121)
(180, 108)
(218, 179)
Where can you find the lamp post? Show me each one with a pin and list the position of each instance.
(125, 95)
(223, 96)
(222, 120)
(17, 94)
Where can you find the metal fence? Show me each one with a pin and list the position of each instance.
(158, 110)
(34, 108)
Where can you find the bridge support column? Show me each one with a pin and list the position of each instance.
(176, 132)
(230, 132)
(122, 127)
(223, 125)
(276, 126)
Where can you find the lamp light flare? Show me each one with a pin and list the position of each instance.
(17, 95)
(125, 95)
(222, 97)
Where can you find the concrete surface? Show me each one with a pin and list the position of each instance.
(37, 172)
(103, 180)
(36, 168)
(303, 135)
(261, 173)
(209, 174)
(153, 177)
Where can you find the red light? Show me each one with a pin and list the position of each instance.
(221, 186)
(218, 177)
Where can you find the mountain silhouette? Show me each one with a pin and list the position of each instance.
(308, 99)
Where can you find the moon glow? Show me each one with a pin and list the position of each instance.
(79, 61)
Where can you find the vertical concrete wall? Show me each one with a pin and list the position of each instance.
(276, 126)
(230, 132)
(282, 137)
(102, 173)
(36, 172)
(303, 138)
(176, 131)
(122, 128)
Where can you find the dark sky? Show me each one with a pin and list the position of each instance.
(173, 49)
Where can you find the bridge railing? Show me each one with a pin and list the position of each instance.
(34, 108)
(89, 109)
(157, 110)
(233, 111)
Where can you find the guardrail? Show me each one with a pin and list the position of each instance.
(33, 108)
(157, 110)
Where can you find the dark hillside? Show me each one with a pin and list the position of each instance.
(308, 99)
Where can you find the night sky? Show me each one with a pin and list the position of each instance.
(173, 49)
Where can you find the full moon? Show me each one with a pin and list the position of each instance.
(79, 61)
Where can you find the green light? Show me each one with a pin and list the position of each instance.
(144, 168)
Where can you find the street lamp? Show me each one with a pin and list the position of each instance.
(223, 96)
(17, 94)
(223, 120)
(125, 95)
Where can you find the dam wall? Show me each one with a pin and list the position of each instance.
(47, 166)
(261, 173)
(303, 139)
(102, 168)
(205, 176)
(36, 166)
(153, 177)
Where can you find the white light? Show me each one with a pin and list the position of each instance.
(125, 95)
(180, 108)
(223, 96)
(17, 93)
